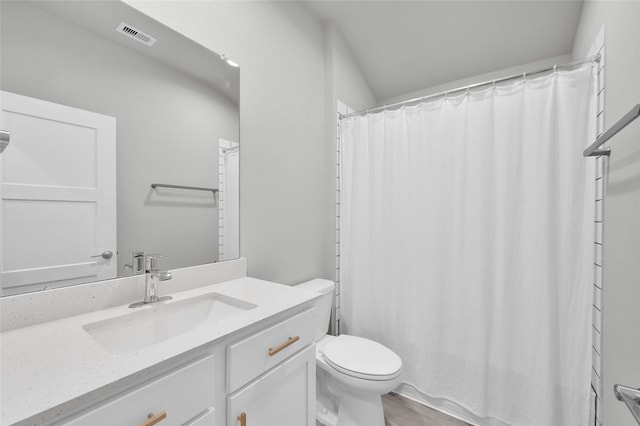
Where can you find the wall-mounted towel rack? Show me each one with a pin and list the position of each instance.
(631, 397)
(5, 137)
(593, 150)
(194, 188)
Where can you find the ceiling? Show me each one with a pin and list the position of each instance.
(405, 46)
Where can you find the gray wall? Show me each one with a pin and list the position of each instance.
(284, 197)
(349, 84)
(344, 82)
(621, 281)
(42, 62)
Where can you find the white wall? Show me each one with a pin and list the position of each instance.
(620, 289)
(284, 196)
(344, 82)
(349, 84)
(43, 61)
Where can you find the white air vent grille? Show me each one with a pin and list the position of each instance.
(135, 34)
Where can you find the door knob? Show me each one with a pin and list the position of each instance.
(107, 254)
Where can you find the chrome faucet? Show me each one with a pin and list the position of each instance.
(152, 279)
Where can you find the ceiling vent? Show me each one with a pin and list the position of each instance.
(135, 34)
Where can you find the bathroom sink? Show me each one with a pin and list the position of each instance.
(162, 321)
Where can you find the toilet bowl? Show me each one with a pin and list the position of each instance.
(351, 372)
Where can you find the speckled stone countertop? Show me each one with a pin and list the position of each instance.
(47, 365)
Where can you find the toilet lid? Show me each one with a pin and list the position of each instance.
(360, 357)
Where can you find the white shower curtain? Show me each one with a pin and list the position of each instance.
(467, 246)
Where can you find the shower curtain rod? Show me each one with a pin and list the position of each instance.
(594, 58)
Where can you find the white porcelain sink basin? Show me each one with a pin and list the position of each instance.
(156, 323)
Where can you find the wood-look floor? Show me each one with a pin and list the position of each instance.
(399, 411)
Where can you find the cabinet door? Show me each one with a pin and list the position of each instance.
(284, 396)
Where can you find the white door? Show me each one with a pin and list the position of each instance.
(57, 195)
(285, 396)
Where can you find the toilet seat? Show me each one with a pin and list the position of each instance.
(362, 358)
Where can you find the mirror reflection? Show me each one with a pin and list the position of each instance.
(102, 102)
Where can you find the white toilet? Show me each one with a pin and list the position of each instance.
(352, 372)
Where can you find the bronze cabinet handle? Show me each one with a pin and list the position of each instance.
(286, 344)
(152, 419)
(243, 419)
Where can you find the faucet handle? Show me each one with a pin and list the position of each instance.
(137, 263)
(151, 260)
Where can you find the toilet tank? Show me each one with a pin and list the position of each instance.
(322, 305)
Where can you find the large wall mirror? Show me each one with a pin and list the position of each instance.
(124, 138)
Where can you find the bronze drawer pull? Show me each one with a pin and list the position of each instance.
(243, 419)
(152, 419)
(289, 342)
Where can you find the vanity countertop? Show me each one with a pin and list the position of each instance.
(50, 364)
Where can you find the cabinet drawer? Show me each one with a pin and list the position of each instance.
(253, 355)
(182, 394)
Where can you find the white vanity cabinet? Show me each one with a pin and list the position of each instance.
(271, 375)
(251, 352)
(182, 397)
(265, 376)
